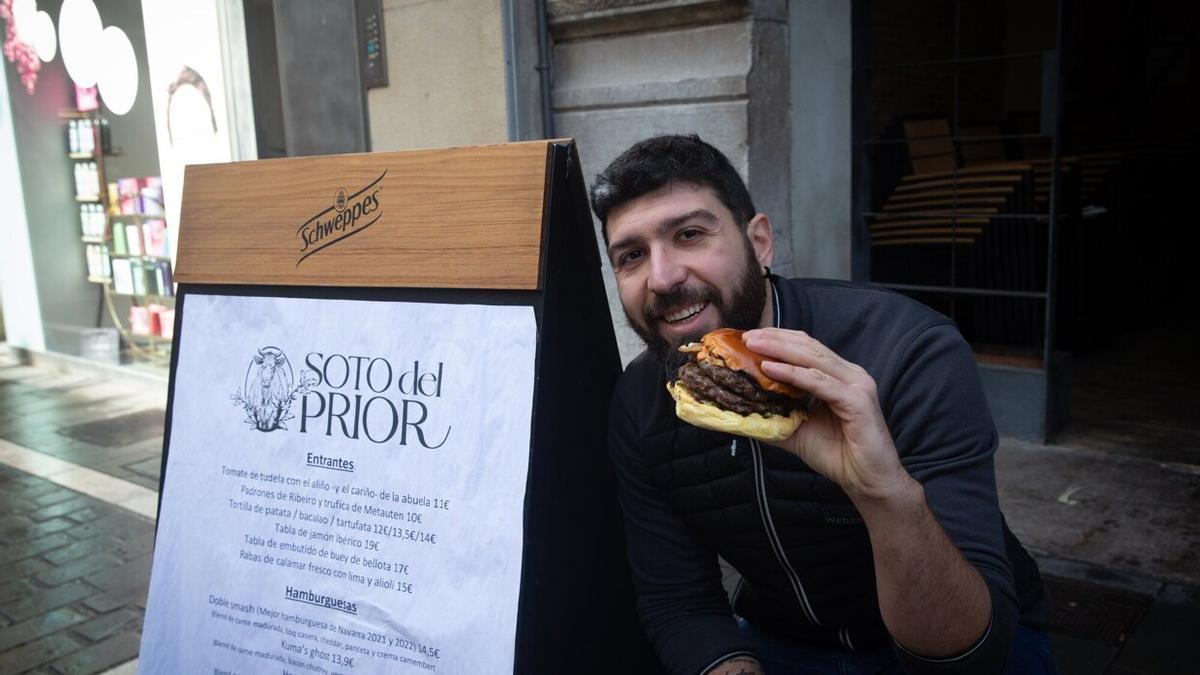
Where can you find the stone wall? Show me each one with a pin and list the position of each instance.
(446, 81)
(624, 70)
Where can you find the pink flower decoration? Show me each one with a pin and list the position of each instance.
(21, 53)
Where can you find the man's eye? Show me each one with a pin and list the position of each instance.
(689, 234)
(629, 257)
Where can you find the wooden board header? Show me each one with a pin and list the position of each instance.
(467, 217)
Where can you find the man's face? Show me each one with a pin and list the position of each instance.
(684, 266)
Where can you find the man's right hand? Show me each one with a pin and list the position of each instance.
(738, 665)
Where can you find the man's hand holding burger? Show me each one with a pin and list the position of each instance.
(932, 600)
(845, 438)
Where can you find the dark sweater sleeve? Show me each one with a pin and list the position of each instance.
(943, 430)
(680, 599)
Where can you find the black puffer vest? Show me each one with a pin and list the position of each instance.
(798, 542)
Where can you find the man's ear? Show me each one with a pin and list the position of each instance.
(759, 231)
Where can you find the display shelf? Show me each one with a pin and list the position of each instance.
(141, 348)
(145, 337)
(93, 232)
(154, 349)
(147, 348)
(138, 256)
(112, 152)
(151, 297)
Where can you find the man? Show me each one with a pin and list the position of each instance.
(871, 539)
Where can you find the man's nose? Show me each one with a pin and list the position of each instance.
(666, 272)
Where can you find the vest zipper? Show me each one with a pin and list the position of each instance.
(760, 490)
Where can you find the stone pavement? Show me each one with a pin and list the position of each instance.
(76, 518)
(1116, 536)
(1118, 541)
(73, 576)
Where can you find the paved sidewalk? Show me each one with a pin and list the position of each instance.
(1118, 541)
(73, 577)
(76, 518)
(1117, 537)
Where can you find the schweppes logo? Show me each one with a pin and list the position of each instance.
(346, 216)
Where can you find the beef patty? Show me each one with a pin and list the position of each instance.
(732, 390)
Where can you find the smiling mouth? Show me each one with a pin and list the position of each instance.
(685, 313)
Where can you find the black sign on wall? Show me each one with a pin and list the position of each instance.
(372, 43)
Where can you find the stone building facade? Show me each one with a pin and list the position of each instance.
(627, 69)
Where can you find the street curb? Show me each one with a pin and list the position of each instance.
(1091, 573)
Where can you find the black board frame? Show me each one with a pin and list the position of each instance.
(576, 608)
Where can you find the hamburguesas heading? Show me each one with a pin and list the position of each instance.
(356, 397)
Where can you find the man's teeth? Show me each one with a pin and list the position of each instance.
(685, 313)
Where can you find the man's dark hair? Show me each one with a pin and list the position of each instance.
(656, 162)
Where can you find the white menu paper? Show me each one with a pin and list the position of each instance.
(344, 489)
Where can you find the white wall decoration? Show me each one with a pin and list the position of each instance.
(118, 79)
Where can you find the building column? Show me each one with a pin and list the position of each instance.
(821, 150)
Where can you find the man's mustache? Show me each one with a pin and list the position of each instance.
(675, 300)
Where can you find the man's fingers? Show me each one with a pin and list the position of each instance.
(837, 394)
(801, 349)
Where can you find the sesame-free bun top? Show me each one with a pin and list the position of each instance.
(724, 346)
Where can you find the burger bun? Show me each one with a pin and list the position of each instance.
(770, 429)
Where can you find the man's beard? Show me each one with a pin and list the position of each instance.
(744, 311)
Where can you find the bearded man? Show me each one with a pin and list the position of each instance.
(871, 540)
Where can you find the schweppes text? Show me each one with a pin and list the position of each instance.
(347, 216)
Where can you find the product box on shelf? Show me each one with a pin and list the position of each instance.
(154, 237)
(139, 320)
(138, 272)
(73, 136)
(87, 98)
(129, 195)
(118, 240)
(156, 317)
(133, 238)
(87, 180)
(167, 322)
(91, 218)
(164, 279)
(152, 196)
(81, 137)
(122, 276)
(97, 261)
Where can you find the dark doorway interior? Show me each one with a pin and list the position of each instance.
(306, 77)
(1130, 87)
(1035, 179)
(1138, 394)
(264, 78)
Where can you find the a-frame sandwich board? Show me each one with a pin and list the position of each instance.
(385, 439)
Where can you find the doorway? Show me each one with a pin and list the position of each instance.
(1027, 169)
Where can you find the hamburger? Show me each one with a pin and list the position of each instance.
(722, 387)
